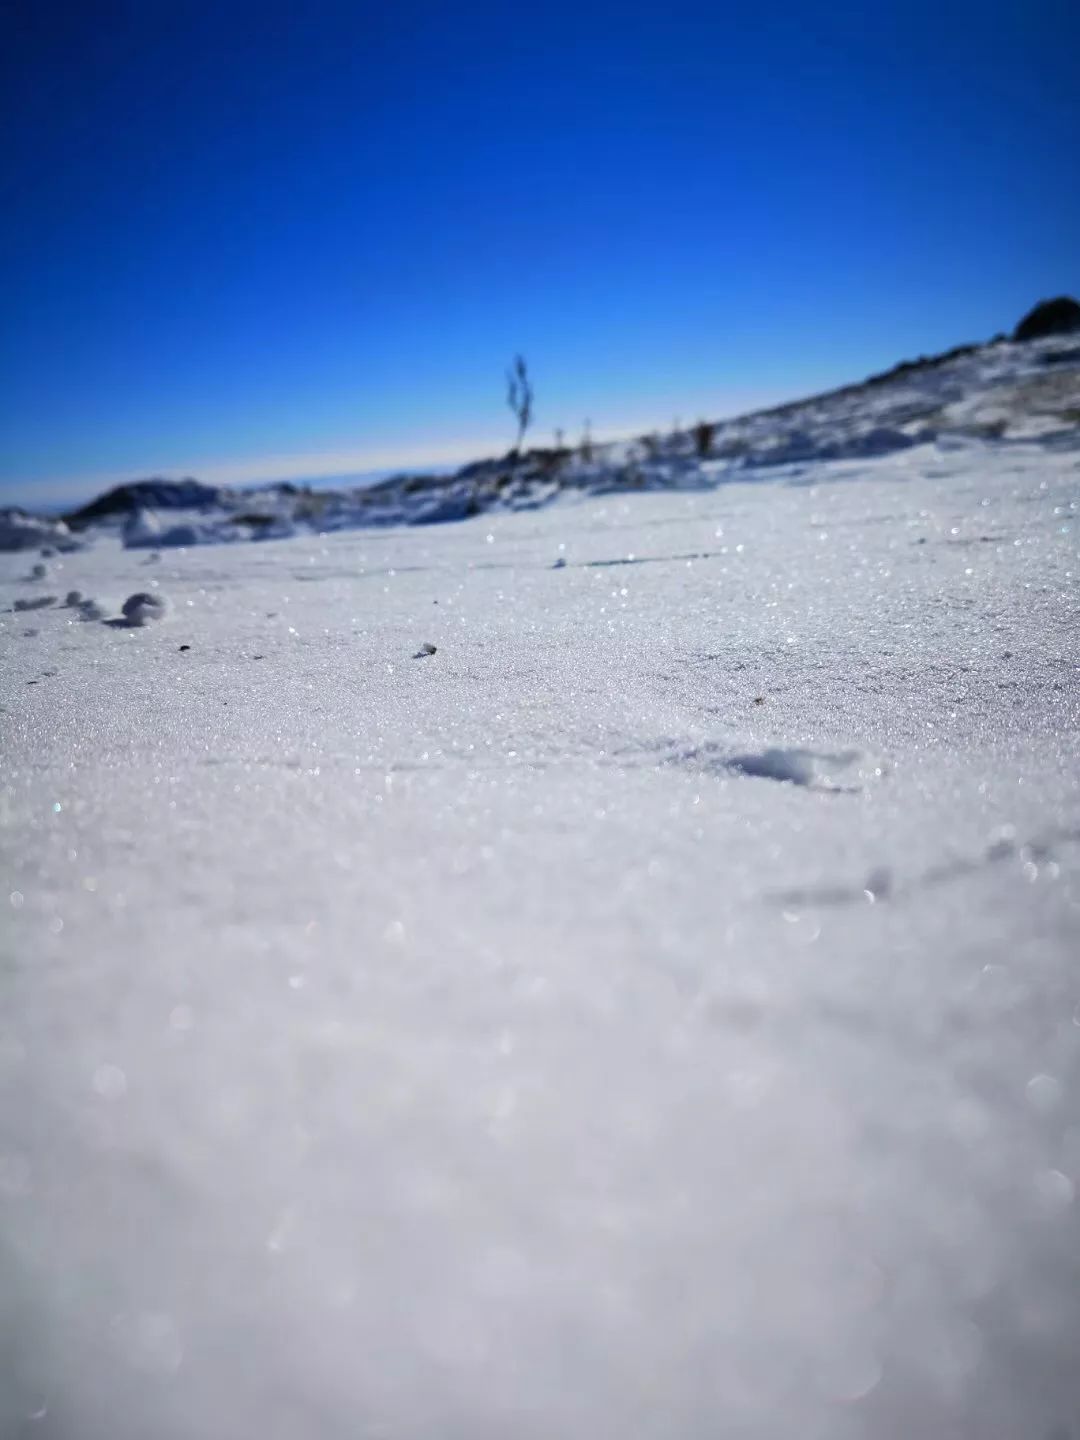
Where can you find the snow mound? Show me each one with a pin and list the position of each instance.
(143, 608)
(142, 528)
(145, 531)
(19, 531)
(34, 602)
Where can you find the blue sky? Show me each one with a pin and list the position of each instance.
(244, 241)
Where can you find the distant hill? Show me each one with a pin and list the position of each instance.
(153, 494)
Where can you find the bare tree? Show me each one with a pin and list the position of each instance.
(519, 396)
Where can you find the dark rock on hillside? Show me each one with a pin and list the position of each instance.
(1049, 317)
(153, 494)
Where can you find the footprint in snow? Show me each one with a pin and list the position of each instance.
(797, 767)
(836, 771)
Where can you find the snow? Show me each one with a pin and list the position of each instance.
(33, 602)
(144, 607)
(144, 531)
(19, 531)
(453, 992)
(800, 767)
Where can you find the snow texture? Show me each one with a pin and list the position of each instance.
(656, 1014)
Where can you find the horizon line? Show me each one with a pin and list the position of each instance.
(314, 465)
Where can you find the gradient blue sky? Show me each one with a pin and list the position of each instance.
(245, 241)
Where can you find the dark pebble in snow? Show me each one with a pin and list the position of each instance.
(426, 649)
(185, 647)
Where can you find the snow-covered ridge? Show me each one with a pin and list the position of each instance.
(993, 394)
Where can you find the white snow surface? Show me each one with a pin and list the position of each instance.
(656, 1013)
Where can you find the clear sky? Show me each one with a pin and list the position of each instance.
(254, 240)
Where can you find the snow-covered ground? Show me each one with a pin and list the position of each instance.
(655, 1013)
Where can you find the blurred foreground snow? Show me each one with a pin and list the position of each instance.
(653, 1014)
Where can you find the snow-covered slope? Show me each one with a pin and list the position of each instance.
(654, 1013)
